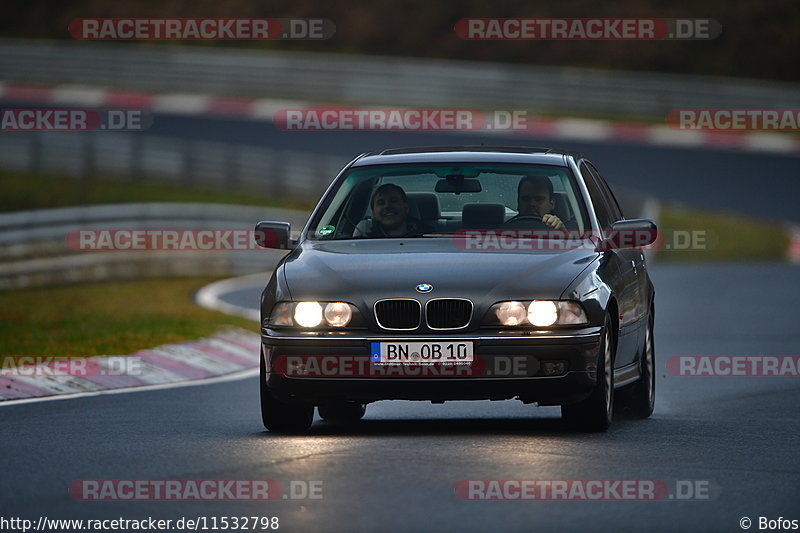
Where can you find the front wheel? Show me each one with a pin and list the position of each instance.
(595, 412)
(639, 398)
(281, 417)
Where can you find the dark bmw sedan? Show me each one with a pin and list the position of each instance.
(460, 273)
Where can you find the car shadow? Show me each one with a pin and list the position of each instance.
(540, 427)
(440, 426)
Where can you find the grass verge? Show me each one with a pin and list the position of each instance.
(718, 236)
(108, 318)
(29, 191)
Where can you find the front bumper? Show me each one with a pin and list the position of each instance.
(507, 365)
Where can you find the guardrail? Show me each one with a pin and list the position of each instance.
(380, 80)
(133, 156)
(35, 252)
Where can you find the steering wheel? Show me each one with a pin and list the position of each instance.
(524, 222)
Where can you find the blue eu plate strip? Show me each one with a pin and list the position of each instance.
(375, 348)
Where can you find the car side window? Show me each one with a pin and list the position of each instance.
(616, 210)
(601, 209)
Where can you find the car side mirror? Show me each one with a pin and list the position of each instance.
(274, 235)
(629, 235)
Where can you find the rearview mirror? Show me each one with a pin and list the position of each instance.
(275, 235)
(458, 184)
(630, 235)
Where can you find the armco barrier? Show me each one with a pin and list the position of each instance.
(394, 81)
(198, 164)
(35, 252)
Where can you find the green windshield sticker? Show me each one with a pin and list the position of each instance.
(326, 230)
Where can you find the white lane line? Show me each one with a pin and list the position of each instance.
(243, 374)
(208, 296)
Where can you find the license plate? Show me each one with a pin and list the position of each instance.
(421, 352)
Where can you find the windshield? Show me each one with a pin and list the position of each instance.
(385, 201)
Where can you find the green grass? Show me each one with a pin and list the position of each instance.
(25, 191)
(727, 236)
(109, 318)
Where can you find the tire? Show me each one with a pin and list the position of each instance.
(342, 411)
(596, 412)
(281, 417)
(639, 398)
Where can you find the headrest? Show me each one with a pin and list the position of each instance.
(427, 203)
(561, 209)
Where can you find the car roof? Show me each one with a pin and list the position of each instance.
(466, 154)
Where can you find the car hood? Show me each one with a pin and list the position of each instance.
(367, 270)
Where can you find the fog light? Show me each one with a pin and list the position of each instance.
(553, 368)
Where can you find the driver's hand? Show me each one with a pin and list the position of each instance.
(553, 221)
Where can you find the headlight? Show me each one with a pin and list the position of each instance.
(538, 313)
(542, 313)
(308, 314)
(511, 313)
(314, 314)
(338, 314)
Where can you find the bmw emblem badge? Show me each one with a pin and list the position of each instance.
(424, 287)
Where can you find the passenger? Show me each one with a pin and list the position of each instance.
(390, 210)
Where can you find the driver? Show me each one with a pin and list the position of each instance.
(390, 214)
(535, 198)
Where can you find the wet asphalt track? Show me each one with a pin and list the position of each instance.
(397, 470)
